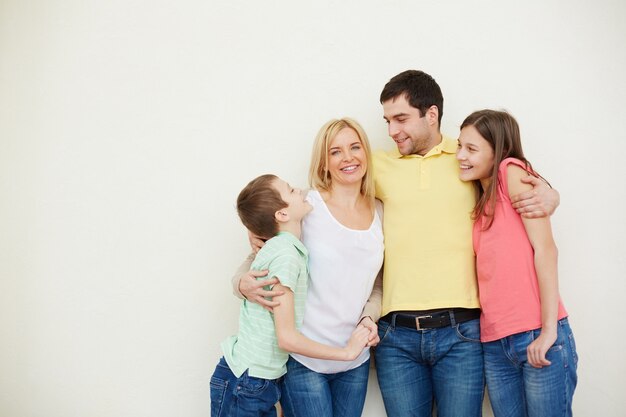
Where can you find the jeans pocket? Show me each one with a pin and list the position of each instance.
(469, 331)
(572, 344)
(219, 387)
(383, 330)
(252, 385)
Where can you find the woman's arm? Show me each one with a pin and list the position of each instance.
(246, 285)
(291, 340)
(539, 233)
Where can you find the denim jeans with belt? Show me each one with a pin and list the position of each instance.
(306, 393)
(516, 389)
(415, 366)
(245, 396)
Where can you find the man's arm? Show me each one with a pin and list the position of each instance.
(371, 310)
(541, 201)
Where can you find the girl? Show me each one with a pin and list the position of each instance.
(529, 350)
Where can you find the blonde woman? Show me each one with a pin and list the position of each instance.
(344, 237)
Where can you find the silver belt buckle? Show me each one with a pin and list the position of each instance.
(417, 321)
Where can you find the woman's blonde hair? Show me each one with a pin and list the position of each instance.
(319, 177)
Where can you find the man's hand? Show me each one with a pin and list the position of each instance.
(369, 324)
(252, 289)
(541, 201)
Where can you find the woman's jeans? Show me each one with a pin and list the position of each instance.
(516, 389)
(245, 396)
(306, 393)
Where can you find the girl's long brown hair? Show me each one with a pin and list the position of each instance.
(501, 130)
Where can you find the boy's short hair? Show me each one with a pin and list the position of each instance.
(257, 205)
(420, 89)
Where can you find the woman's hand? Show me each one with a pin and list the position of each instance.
(252, 289)
(369, 324)
(358, 341)
(541, 201)
(256, 243)
(537, 350)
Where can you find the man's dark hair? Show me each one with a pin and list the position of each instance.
(257, 205)
(420, 89)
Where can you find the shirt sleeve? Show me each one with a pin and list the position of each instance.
(286, 267)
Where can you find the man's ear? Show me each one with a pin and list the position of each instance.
(281, 216)
(433, 114)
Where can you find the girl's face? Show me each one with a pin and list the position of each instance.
(347, 161)
(475, 156)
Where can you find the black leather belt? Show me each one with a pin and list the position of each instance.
(431, 319)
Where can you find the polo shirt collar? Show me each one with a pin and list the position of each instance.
(446, 145)
(297, 243)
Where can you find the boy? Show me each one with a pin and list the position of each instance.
(245, 381)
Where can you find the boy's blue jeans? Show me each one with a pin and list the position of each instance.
(516, 389)
(245, 396)
(415, 366)
(307, 393)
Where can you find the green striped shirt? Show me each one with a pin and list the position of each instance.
(255, 347)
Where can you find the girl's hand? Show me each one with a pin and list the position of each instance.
(357, 342)
(536, 351)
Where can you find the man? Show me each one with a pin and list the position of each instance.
(429, 330)
(429, 333)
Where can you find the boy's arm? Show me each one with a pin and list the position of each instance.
(246, 285)
(291, 340)
(540, 201)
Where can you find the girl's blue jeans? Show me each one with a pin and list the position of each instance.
(516, 389)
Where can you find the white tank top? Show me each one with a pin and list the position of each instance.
(343, 264)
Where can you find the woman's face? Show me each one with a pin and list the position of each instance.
(475, 156)
(347, 160)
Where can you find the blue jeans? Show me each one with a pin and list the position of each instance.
(446, 363)
(244, 396)
(307, 393)
(518, 389)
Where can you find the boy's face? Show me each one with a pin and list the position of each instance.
(298, 206)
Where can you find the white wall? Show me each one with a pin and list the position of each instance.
(127, 128)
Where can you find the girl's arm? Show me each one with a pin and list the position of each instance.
(539, 233)
(291, 340)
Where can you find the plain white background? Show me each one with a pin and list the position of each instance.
(127, 129)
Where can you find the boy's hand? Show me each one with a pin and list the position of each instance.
(541, 201)
(368, 323)
(252, 289)
(537, 350)
(357, 342)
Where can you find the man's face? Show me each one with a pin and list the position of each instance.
(413, 133)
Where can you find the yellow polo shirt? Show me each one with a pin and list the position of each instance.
(429, 258)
